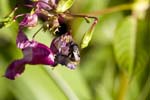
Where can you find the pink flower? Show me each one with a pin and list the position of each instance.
(46, 4)
(30, 20)
(63, 50)
(34, 53)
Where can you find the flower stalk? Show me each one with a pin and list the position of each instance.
(123, 86)
(61, 84)
(110, 10)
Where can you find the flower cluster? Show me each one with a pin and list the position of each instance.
(63, 50)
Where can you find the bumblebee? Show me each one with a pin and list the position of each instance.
(66, 51)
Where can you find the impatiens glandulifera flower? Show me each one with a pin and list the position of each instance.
(63, 49)
(46, 4)
(34, 53)
(66, 51)
(30, 20)
(22, 40)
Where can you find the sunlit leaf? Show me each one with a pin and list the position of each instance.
(128, 44)
(125, 43)
(64, 5)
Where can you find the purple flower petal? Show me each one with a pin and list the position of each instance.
(22, 40)
(35, 53)
(30, 20)
(44, 5)
(15, 69)
(40, 54)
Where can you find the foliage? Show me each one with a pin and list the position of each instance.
(114, 66)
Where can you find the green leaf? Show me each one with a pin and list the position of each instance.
(64, 5)
(125, 43)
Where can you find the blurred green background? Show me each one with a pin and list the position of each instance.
(115, 65)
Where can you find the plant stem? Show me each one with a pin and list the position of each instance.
(111, 10)
(62, 85)
(124, 80)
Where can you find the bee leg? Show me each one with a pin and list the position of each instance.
(36, 32)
